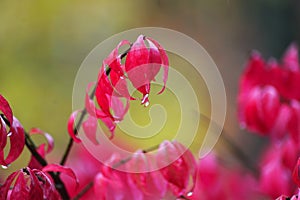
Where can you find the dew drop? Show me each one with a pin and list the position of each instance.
(146, 104)
(189, 194)
(4, 166)
(9, 134)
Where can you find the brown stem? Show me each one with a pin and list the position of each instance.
(84, 190)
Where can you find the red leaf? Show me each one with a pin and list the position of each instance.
(6, 186)
(71, 127)
(19, 190)
(103, 94)
(164, 62)
(36, 190)
(48, 189)
(17, 142)
(3, 139)
(290, 58)
(5, 108)
(138, 55)
(296, 173)
(90, 105)
(137, 67)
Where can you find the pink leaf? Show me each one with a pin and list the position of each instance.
(164, 62)
(114, 60)
(90, 128)
(120, 85)
(178, 166)
(61, 169)
(71, 128)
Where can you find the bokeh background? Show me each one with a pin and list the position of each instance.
(42, 44)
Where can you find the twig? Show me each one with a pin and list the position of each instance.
(234, 148)
(183, 197)
(239, 153)
(76, 129)
(84, 190)
(124, 161)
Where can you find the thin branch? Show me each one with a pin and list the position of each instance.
(239, 153)
(32, 148)
(124, 161)
(234, 148)
(76, 129)
(84, 190)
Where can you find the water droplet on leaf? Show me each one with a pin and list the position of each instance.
(4, 166)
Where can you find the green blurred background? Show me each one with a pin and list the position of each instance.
(42, 44)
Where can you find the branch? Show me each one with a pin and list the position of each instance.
(124, 161)
(234, 148)
(239, 153)
(183, 197)
(32, 148)
(84, 190)
(76, 129)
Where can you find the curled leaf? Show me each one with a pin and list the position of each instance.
(61, 169)
(48, 137)
(71, 128)
(17, 141)
(6, 110)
